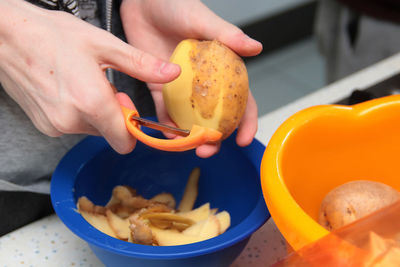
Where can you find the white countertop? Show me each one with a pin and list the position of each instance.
(48, 242)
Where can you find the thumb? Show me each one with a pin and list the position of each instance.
(124, 100)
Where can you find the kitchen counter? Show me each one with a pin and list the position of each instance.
(48, 242)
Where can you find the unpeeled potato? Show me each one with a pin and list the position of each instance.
(211, 90)
(354, 200)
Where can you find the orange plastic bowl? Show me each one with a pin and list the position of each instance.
(320, 148)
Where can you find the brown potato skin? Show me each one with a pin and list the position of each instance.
(211, 91)
(211, 62)
(353, 200)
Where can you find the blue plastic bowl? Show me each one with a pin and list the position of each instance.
(229, 180)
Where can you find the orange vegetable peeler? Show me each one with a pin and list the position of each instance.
(197, 136)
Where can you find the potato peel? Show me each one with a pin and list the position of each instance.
(119, 193)
(165, 198)
(140, 231)
(99, 222)
(166, 216)
(191, 191)
(155, 221)
(199, 214)
(119, 225)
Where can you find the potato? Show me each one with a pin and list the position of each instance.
(211, 90)
(354, 200)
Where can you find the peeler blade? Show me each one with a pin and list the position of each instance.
(160, 127)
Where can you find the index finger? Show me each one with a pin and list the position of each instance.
(210, 26)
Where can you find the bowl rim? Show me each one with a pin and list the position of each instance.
(65, 208)
(294, 223)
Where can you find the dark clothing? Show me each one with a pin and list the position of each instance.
(388, 10)
(70, 6)
(137, 90)
(350, 40)
(20, 208)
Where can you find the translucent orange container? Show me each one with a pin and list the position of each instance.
(320, 148)
(372, 241)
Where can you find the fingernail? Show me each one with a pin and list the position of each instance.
(251, 39)
(168, 68)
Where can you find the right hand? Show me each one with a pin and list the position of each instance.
(159, 25)
(52, 64)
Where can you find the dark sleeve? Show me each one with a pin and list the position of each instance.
(70, 6)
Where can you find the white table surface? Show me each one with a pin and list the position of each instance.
(48, 242)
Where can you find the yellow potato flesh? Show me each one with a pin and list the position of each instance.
(212, 88)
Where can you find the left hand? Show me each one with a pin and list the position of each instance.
(157, 26)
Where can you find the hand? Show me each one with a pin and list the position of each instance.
(52, 64)
(157, 26)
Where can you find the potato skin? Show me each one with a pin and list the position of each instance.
(353, 200)
(211, 60)
(212, 89)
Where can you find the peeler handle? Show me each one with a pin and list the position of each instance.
(198, 135)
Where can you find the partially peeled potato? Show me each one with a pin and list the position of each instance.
(212, 88)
